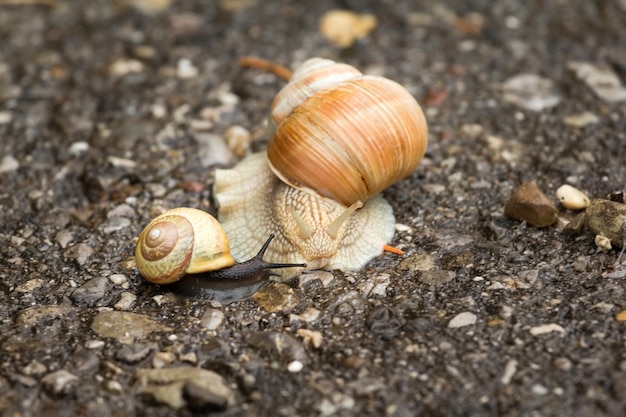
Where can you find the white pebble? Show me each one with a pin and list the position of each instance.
(114, 387)
(186, 69)
(94, 344)
(509, 371)
(126, 301)
(9, 164)
(546, 328)
(118, 279)
(122, 67)
(603, 242)
(78, 148)
(572, 198)
(462, 319)
(539, 389)
(295, 366)
(5, 117)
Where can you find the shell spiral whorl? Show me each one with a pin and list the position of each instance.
(345, 135)
(181, 241)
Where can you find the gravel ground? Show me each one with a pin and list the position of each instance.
(112, 113)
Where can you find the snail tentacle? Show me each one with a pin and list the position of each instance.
(252, 267)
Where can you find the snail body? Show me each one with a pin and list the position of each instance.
(309, 228)
(188, 241)
(338, 139)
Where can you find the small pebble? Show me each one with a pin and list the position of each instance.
(601, 79)
(581, 119)
(212, 319)
(57, 381)
(563, 363)
(5, 117)
(603, 243)
(509, 371)
(30, 285)
(90, 292)
(8, 164)
(161, 359)
(325, 277)
(186, 69)
(238, 139)
(212, 149)
(376, 286)
(539, 389)
(78, 148)
(64, 237)
(122, 210)
(121, 67)
(531, 92)
(385, 322)
(528, 203)
(437, 277)
(121, 162)
(276, 297)
(419, 262)
(114, 387)
(34, 368)
(462, 319)
(189, 357)
(546, 328)
(115, 224)
(118, 279)
(81, 252)
(94, 344)
(279, 346)
(295, 366)
(126, 301)
(311, 337)
(308, 315)
(621, 316)
(572, 198)
(403, 228)
(343, 27)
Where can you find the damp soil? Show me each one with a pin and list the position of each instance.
(111, 112)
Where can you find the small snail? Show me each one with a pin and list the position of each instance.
(339, 138)
(189, 241)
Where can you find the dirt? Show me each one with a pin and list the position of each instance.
(108, 111)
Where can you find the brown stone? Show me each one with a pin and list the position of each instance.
(528, 203)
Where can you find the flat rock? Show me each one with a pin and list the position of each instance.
(124, 326)
(170, 386)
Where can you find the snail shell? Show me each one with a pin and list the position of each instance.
(181, 241)
(346, 135)
(339, 138)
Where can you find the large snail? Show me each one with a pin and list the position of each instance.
(339, 138)
(188, 241)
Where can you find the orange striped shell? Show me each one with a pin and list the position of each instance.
(346, 135)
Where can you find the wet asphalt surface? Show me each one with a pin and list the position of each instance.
(109, 114)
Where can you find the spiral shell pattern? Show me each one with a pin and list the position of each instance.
(181, 241)
(345, 135)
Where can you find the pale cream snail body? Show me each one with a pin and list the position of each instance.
(339, 138)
